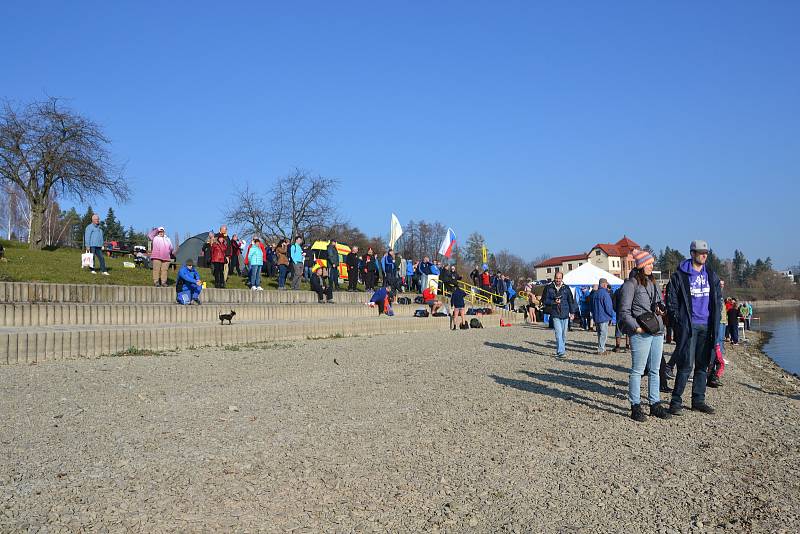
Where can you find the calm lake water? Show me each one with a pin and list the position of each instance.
(784, 347)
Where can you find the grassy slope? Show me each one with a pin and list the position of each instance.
(63, 266)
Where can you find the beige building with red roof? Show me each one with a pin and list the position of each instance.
(612, 257)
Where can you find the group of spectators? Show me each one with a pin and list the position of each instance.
(691, 308)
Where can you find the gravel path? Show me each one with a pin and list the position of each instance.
(479, 431)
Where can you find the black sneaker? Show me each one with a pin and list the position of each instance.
(702, 407)
(660, 412)
(637, 414)
(674, 409)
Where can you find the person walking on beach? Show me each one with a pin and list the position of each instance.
(640, 313)
(93, 242)
(693, 307)
(602, 311)
(562, 308)
(160, 256)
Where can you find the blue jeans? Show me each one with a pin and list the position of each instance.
(98, 251)
(699, 356)
(645, 349)
(602, 336)
(282, 270)
(560, 328)
(255, 276)
(721, 337)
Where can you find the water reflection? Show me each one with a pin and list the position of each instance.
(784, 346)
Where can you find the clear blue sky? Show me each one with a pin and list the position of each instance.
(546, 127)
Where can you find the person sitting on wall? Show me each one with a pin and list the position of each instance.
(429, 297)
(188, 287)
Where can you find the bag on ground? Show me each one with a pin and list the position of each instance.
(475, 323)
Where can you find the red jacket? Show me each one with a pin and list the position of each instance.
(218, 252)
(428, 295)
(485, 278)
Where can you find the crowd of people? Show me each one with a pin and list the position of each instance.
(691, 311)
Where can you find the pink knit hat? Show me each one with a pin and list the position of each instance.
(642, 258)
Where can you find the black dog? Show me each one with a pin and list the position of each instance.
(226, 317)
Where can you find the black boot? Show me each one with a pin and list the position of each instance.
(637, 414)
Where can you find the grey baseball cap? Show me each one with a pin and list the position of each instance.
(698, 245)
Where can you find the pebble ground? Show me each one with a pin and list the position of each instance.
(468, 431)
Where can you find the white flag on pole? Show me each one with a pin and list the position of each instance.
(395, 231)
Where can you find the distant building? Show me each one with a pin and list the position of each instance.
(546, 269)
(788, 274)
(615, 258)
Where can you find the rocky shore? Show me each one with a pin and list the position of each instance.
(476, 431)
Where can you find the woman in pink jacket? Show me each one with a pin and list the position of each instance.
(161, 256)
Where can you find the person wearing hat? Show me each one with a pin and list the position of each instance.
(161, 256)
(639, 313)
(693, 304)
(603, 312)
(188, 286)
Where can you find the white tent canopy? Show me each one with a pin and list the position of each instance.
(588, 274)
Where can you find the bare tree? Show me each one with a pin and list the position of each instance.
(46, 148)
(300, 203)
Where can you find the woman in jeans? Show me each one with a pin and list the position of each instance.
(640, 294)
(282, 251)
(255, 258)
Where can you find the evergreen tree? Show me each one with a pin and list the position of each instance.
(74, 233)
(112, 228)
(740, 267)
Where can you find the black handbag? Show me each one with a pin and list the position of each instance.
(648, 320)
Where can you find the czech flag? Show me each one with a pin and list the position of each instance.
(446, 249)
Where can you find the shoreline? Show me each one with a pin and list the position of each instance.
(761, 367)
(785, 303)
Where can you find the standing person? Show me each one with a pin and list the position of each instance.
(749, 314)
(562, 308)
(270, 268)
(475, 276)
(333, 264)
(511, 293)
(499, 288)
(425, 269)
(207, 250)
(369, 269)
(255, 258)
(584, 306)
(640, 313)
(352, 261)
(693, 305)
(667, 324)
(236, 251)
(282, 254)
(160, 256)
(228, 251)
(734, 314)
(93, 242)
(298, 259)
(409, 275)
(718, 360)
(618, 335)
(486, 279)
(603, 312)
(218, 260)
(389, 269)
(458, 304)
(743, 315)
(533, 303)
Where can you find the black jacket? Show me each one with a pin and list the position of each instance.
(567, 305)
(679, 309)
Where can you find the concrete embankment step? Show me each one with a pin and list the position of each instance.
(36, 292)
(40, 344)
(47, 314)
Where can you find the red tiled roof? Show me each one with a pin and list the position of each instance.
(558, 260)
(620, 249)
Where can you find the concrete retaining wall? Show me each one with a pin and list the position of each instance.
(47, 345)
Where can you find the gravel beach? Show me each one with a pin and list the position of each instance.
(468, 431)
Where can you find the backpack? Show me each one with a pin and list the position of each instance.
(464, 326)
(418, 300)
(404, 300)
(475, 323)
(421, 313)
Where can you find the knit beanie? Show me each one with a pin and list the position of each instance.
(642, 258)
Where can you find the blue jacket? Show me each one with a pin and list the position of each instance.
(425, 267)
(187, 278)
(93, 236)
(409, 268)
(379, 295)
(499, 286)
(510, 291)
(602, 309)
(255, 256)
(568, 304)
(388, 264)
(296, 253)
